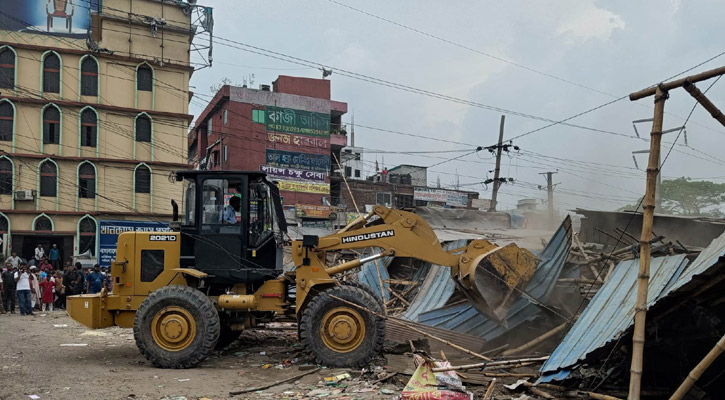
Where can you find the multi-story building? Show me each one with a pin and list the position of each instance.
(291, 130)
(93, 117)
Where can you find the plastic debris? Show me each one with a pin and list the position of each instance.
(73, 344)
(331, 380)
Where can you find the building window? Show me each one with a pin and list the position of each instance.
(86, 235)
(7, 116)
(258, 116)
(144, 78)
(89, 127)
(143, 128)
(383, 198)
(357, 173)
(209, 129)
(51, 73)
(7, 68)
(357, 156)
(51, 125)
(6, 176)
(4, 225)
(43, 223)
(225, 117)
(142, 178)
(48, 179)
(404, 201)
(348, 172)
(225, 153)
(86, 181)
(89, 77)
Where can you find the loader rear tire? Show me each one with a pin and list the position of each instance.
(176, 327)
(338, 334)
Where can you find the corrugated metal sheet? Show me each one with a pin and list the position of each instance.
(707, 258)
(368, 273)
(436, 288)
(465, 319)
(611, 310)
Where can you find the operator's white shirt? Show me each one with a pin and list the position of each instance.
(228, 215)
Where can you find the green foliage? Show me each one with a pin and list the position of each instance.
(683, 196)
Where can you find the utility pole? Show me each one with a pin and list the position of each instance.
(499, 150)
(658, 197)
(550, 193)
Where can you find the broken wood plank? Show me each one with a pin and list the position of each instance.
(400, 282)
(399, 297)
(489, 391)
(491, 364)
(410, 289)
(292, 378)
(536, 341)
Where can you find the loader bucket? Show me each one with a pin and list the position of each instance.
(493, 277)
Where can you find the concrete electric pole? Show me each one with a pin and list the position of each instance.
(499, 150)
(550, 193)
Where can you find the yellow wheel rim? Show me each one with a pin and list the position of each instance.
(173, 328)
(342, 329)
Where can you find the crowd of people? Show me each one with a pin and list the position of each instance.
(41, 284)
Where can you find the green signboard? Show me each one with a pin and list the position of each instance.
(298, 122)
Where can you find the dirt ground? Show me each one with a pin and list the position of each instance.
(36, 360)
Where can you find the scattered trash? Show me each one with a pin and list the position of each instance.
(266, 366)
(240, 372)
(331, 380)
(435, 385)
(386, 391)
(74, 344)
(32, 396)
(262, 353)
(183, 380)
(60, 325)
(318, 393)
(94, 333)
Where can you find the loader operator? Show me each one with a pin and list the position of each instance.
(229, 215)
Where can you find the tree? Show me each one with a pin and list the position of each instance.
(683, 196)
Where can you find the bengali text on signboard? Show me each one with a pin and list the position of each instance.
(108, 232)
(313, 211)
(287, 120)
(304, 187)
(306, 141)
(291, 159)
(293, 174)
(453, 199)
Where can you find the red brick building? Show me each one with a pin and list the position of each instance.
(293, 131)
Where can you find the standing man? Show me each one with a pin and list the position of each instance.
(14, 260)
(54, 256)
(8, 277)
(78, 282)
(2, 307)
(95, 280)
(22, 279)
(39, 254)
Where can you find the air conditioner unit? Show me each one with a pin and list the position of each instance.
(24, 195)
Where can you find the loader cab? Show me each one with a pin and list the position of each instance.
(230, 223)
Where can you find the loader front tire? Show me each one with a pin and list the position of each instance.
(338, 334)
(176, 327)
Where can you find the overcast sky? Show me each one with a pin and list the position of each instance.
(604, 50)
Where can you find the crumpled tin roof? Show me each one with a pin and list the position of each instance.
(611, 310)
(368, 273)
(436, 288)
(465, 318)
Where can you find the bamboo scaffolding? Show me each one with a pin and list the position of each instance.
(660, 93)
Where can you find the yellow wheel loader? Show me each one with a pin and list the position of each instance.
(194, 289)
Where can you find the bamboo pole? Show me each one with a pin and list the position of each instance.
(648, 207)
(490, 364)
(292, 378)
(536, 341)
(489, 391)
(677, 83)
(699, 369)
(704, 101)
(382, 288)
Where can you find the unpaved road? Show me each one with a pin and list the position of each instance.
(35, 362)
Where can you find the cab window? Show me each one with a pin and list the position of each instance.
(188, 218)
(261, 213)
(221, 206)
